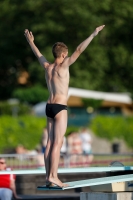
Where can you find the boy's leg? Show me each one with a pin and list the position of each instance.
(60, 125)
(48, 149)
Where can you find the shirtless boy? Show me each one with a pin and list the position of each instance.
(57, 79)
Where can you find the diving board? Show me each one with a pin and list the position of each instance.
(90, 182)
(70, 170)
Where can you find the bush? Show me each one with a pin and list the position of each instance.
(114, 127)
(25, 130)
(14, 109)
(94, 103)
(31, 95)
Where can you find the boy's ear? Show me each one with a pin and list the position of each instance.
(63, 55)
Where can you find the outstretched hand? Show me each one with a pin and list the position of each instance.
(98, 29)
(29, 36)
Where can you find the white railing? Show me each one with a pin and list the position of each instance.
(28, 161)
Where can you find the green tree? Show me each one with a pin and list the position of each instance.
(105, 65)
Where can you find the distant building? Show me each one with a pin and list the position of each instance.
(123, 101)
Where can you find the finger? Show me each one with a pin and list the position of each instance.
(31, 34)
(27, 35)
(102, 26)
(26, 31)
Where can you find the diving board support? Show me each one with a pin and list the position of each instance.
(106, 196)
(90, 182)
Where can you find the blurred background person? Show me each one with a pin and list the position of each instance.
(75, 148)
(63, 150)
(63, 153)
(25, 154)
(86, 145)
(7, 183)
(20, 149)
(44, 140)
(39, 157)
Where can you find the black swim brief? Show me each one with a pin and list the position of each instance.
(53, 108)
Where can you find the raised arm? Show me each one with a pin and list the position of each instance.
(30, 38)
(70, 60)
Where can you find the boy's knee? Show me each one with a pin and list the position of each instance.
(58, 143)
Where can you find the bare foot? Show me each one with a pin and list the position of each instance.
(47, 183)
(65, 185)
(56, 181)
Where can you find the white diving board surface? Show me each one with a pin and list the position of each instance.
(90, 182)
(69, 170)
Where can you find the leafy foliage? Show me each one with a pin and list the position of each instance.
(25, 130)
(105, 65)
(114, 128)
(91, 102)
(14, 109)
(33, 94)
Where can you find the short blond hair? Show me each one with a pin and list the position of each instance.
(58, 48)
